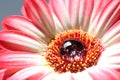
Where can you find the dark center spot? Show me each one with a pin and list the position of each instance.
(73, 49)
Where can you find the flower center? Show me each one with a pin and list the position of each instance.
(73, 51)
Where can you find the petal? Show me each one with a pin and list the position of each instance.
(10, 72)
(22, 24)
(1, 47)
(14, 60)
(18, 41)
(23, 8)
(85, 10)
(58, 25)
(23, 11)
(96, 73)
(26, 73)
(39, 12)
(98, 7)
(56, 76)
(2, 71)
(104, 74)
(61, 11)
(88, 8)
(113, 31)
(108, 17)
(105, 18)
(74, 13)
(110, 57)
(66, 3)
(81, 76)
(115, 39)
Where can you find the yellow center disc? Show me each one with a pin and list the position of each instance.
(83, 52)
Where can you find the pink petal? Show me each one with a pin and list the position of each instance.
(74, 12)
(105, 14)
(56, 76)
(114, 40)
(61, 11)
(19, 41)
(10, 72)
(95, 73)
(23, 8)
(66, 3)
(85, 11)
(14, 60)
(82, 76)
(23, 11)
(108, 17)
(2, 71)
(1, 47)
(112, 32)
(104, 74)
(99, 5)
(22, 24)
(39, 12)
(58, 25)
(28, 73)
(110, 57)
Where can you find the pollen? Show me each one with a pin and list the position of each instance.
(73, 51)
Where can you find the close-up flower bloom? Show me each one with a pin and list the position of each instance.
(62, 40)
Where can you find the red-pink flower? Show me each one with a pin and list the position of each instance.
(62, 40)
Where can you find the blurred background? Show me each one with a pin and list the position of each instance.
(10, 7)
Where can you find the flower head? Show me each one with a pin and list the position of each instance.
(62, 39)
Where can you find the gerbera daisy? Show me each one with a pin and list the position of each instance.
(62, 40)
